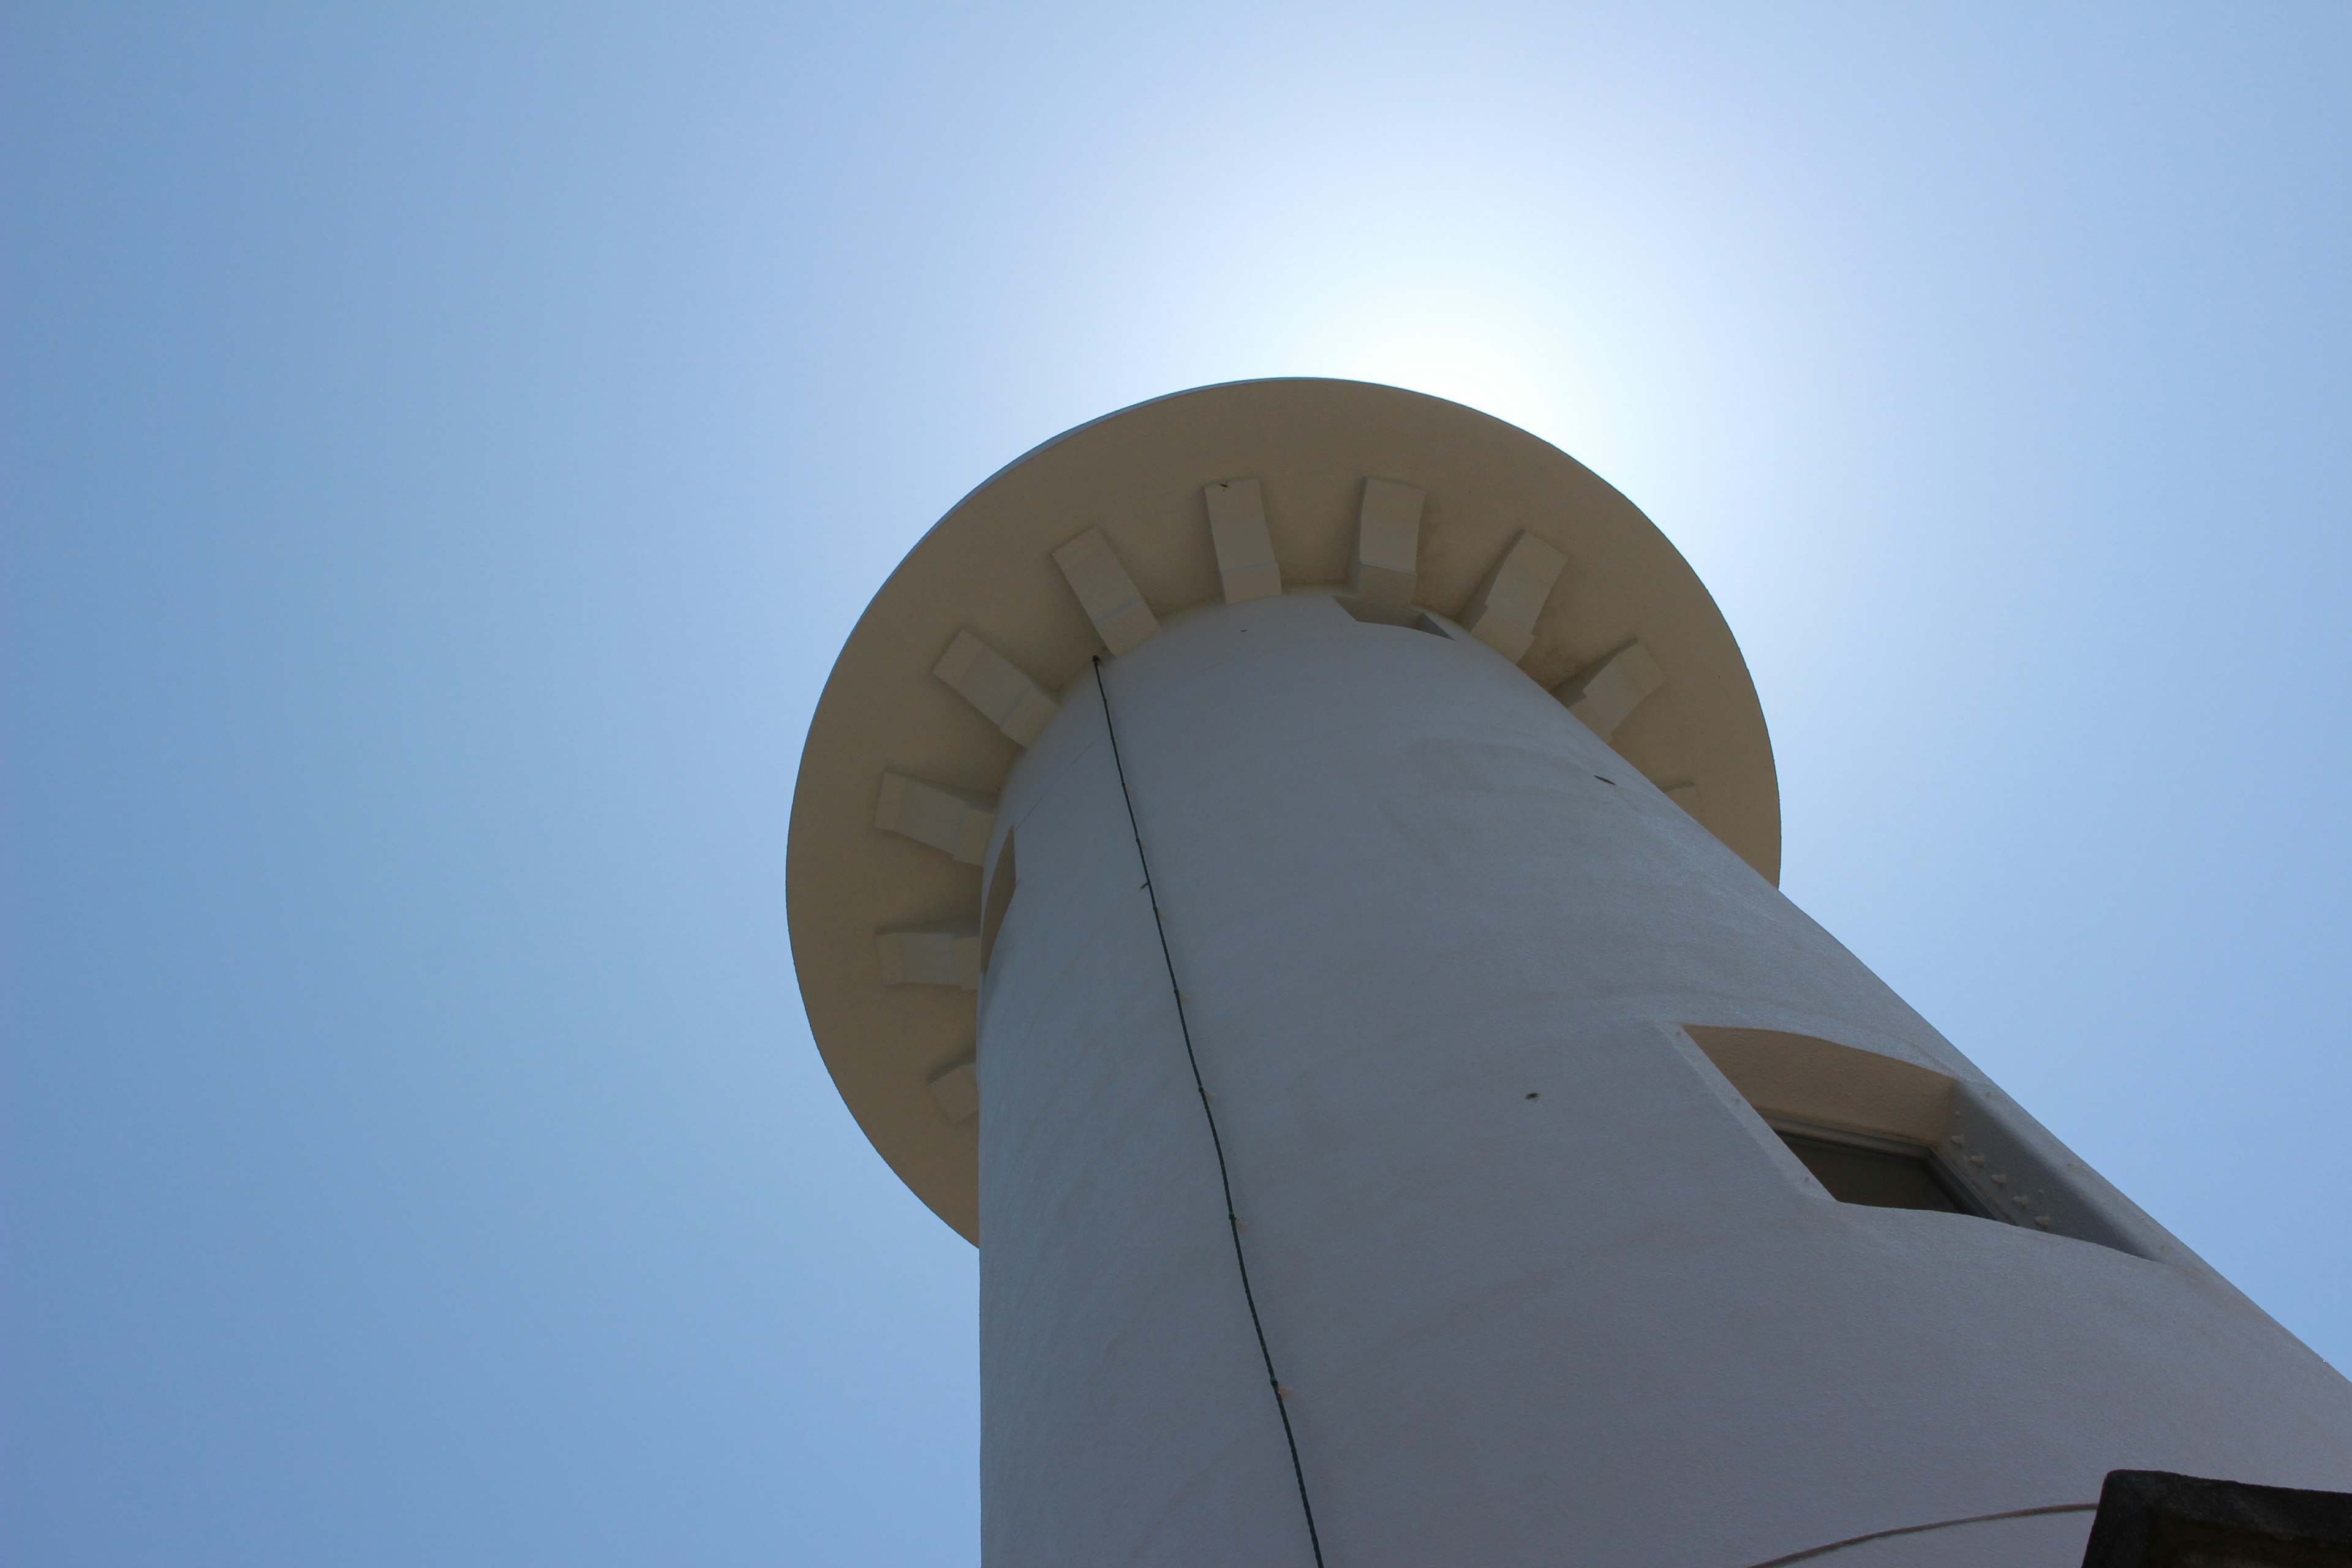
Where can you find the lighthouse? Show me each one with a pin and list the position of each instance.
(1289, 870)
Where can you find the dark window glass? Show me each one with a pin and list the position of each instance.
(1882, 1179)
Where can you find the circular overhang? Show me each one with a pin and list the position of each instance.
(988, 571)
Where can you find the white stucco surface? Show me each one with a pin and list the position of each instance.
(1611, 1324)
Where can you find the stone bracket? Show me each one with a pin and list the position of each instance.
(1245, 547)
(1109, 595)
(991, 683)
(1504, 613)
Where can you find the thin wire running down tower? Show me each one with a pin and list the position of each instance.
(1586, 1203)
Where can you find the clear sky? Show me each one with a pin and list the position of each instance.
(444, 446)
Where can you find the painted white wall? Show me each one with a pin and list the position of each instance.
(1604, 1326)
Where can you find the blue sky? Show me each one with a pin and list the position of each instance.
(445, 446)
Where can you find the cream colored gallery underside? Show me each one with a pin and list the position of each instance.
(1461, 826)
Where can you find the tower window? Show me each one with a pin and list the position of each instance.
(1873, 1129)
(1880, 1172)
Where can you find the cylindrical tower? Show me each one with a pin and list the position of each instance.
(1289, 869)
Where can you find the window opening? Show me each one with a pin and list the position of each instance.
(1880, 1173)
(1884, 1132)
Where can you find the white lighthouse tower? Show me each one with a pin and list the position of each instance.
(1289, 870)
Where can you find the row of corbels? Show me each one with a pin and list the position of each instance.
(1382, 582)
(1382, 579)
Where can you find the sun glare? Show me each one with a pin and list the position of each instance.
(1468, 334)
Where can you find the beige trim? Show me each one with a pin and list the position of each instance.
(945, 954)
(957, 1092)
(1606, 696)
(985, 587)
(993, 684)
(1505, 614)
(1809, 1080)
(1110, 597)
(954, 822)
(1245, 562)
(1388, 547)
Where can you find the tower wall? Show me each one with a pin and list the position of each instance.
(1543, 1286)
